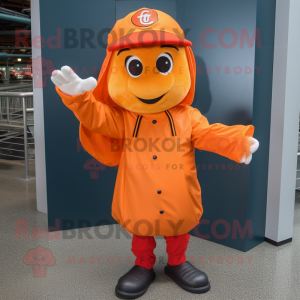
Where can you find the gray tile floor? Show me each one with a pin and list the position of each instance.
(273, 272)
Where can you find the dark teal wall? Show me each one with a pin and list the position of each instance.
(233, 197)
(232, 194)
(71, 193)
(262, 99)
(222, 98)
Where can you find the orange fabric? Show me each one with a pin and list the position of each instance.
(97, 145)
(136, 202)
(100, 92)
(146, 38)
(188, 100)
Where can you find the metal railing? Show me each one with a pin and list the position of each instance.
(17, 128)
(16, 88)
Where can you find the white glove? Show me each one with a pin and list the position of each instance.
(254, 144)
(70, 84)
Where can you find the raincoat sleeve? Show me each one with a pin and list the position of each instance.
(229, 141)
(94, 115)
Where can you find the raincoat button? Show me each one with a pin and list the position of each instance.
(161, 211)
(154, 157)
(154, 121)
(159, 192)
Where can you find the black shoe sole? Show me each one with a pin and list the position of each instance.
(199, 290)
(123, 295)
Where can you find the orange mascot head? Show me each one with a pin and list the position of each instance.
(149, 68)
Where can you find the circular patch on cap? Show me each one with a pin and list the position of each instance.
(144, 18)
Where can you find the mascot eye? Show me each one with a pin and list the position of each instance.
(164, 63)
(134, 66)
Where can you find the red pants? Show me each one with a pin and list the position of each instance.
(143, 246)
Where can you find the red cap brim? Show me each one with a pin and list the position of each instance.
(148, 38)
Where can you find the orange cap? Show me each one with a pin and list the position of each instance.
(145, 27)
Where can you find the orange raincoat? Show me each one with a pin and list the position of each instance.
(157, 191)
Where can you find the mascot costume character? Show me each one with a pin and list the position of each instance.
(138, 116)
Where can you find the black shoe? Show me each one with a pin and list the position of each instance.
(188, 277)
(134, 283)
